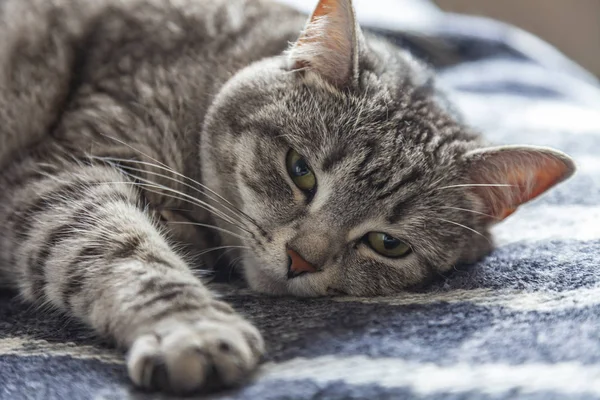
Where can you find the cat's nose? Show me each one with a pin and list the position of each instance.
(297, 265)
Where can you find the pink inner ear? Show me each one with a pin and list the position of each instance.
(325, 7)
(528, 172)
(528, 186)
(328, 44)
(538, 181)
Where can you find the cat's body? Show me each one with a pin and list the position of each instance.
(128, 127)
(138, 72)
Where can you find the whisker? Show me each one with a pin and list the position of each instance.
(217, 261)
(471, 211)
(250, 219)
(213, 211)
(478, 185)
(185, 210)
(221, 248)
(466, 227)
(194, 199)
(134, 149)
(175, 180)
(203, 274)
(232, 266)
(166, 168)
(223, 255)
(208, 226)
(148, 187)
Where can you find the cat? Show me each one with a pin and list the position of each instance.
(140, 137)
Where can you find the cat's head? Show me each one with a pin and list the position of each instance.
(350, 176)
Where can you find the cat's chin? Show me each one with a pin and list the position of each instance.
(266, 281)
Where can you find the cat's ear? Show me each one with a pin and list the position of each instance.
(505, 177)
(330, 43)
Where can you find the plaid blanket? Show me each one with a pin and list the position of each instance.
(524, 323)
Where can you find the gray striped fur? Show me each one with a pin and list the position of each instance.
(139, 135)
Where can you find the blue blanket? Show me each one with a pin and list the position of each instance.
(524, 323)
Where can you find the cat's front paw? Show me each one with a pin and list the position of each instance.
(183, 356)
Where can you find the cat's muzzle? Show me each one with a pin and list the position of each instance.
(297, 265)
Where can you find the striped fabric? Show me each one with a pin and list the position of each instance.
(524, 323)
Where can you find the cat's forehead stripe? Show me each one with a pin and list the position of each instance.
(334, 158)
(400, 209)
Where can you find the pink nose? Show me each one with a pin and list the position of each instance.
(298, 265)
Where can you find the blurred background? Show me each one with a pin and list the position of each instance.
(573, 26)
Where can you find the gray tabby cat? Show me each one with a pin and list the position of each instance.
(137, 136)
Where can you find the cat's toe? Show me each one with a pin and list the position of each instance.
(205, 355)
(143, 356)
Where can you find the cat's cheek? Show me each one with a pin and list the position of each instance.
(262, 282)
(265, 277)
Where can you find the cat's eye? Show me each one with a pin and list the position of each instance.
(387, 245)
(300, 172)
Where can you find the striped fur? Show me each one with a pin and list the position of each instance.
(108, 203)
(80, 234)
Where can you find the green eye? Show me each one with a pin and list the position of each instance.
(300, 173)
(386, 245)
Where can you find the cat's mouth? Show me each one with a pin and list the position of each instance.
(271, 272)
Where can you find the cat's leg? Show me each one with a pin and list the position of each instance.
(76, 237)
